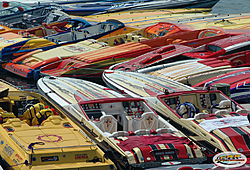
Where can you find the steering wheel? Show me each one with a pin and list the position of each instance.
(138, 113)
(190, 108)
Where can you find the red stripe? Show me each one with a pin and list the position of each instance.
(182, 153)
(235, 137)
(162, 158)
(134, 156)
(170, 156)
(145, 152)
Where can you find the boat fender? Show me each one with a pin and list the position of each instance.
(41, 116)
(30, 113)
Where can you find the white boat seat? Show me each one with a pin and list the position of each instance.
(164, 130)
(222, 112)
(201, 116)
(243, 111)
(142, 132)
(107, 123)
(148, 121)
(119, 133)
(186, 111)
(227, 105)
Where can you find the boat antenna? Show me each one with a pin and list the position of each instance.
(166, 92)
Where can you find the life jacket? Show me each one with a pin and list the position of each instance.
(31, 112)
(41, 116)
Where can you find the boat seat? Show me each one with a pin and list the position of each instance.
(164, 130)
(16, 122)
(243, 111)
(186, 110)
(119, 133)
(227, 105)
(201, 116)
(148, 121)
(142, 132)
(54, 119)
(222, 112)
(107, 123)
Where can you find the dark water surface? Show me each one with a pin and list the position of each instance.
(222, 7)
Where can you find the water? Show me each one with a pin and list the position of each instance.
(222, 7)
(231, 6)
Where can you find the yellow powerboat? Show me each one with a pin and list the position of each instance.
(35, 135)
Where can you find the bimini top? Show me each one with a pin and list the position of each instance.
(143, 84)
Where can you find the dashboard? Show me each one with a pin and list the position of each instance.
(203, 101)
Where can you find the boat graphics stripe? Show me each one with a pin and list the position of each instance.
(135, 155)
(182, 150)
(162, 146)
(154, 148)
(171, 146)
(146, 151)
(224, 134)
(244, 134)
(159, 148)
(221, 140)
(94, 92)
(139, 154)
(190, 151)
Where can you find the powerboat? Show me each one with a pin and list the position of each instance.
(137, 137)
(209, 117)
(12, 48)
(177, 44)
(93, 8)
(237, 80)
(36, 135)
(28, 65)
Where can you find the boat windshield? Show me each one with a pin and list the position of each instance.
(213, 48)
(8, 8)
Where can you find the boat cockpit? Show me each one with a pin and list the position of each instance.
(206, 108)
(127, 117)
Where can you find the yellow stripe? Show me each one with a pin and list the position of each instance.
(139, 154)
(162, 146)
(226, 139)
(189, 151)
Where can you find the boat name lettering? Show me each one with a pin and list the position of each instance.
(8, 150)
(49, 158)
(81, 156)
(165, 153)
(19, 157)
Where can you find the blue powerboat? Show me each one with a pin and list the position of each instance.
(82, 9)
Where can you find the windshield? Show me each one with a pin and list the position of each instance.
(213, 48)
